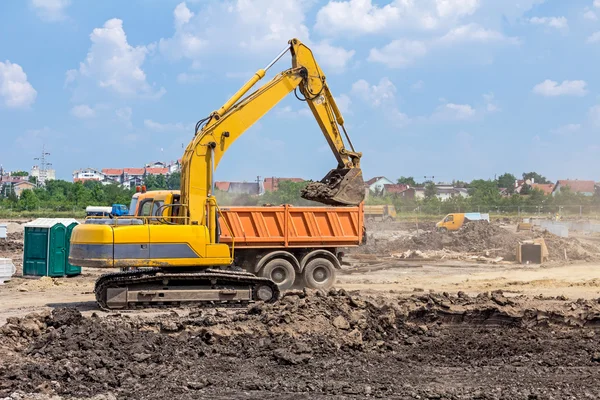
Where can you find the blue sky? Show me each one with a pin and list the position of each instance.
(456, 89)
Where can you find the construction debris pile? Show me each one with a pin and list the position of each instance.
(475, 239)
(313, 344)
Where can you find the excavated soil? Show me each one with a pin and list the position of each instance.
(314, 345)
(483, 238)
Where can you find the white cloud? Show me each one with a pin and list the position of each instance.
(50, 10)
(381, 96)
(594, 38)
(289, 112)
(246, 27)
(551, 88)
(597, 3)
(15, 89)
(451, 111)
(160, 127)
(551, 22)
(376, 95)
(332, 57)
(83, 111)
(595, 115)
(364, 17)
(355, 16)
(567, 129)
(398, 53)
(474, 33)
(343, 102)
(590, 15)
(114, 64)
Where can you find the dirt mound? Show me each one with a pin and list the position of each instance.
(482, 238)
(15, 236)
(10, 245)
(310, 346)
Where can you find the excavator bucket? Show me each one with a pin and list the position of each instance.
(340, 187)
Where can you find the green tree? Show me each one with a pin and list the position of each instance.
(33, 179)
(430, 191)
(174, 181)
(19, 173)
(484, 193)
(507, 180)
(407, 180)
(28, 200)
(537, 178)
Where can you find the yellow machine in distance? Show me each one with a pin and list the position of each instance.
(184, 250)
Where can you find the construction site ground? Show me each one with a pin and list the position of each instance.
(415, 314)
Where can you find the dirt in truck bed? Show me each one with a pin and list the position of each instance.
(314, 345)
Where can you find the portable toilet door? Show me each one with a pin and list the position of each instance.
(71, 269)
(35, 251)
(57, 251)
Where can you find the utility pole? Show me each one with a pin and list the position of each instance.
(43, 168)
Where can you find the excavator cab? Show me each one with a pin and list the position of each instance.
(340, 187)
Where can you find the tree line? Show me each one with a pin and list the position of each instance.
(484, 196)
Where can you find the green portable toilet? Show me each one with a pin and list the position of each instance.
(71, 269)
(46, 247)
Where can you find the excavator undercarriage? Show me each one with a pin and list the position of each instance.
(157, 287)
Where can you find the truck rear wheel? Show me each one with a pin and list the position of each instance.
(319, 273)
(280, 271)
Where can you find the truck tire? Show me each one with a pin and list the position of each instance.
(443, 230)
(319, 273)
(280, 271)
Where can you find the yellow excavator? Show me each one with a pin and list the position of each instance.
(179, 259)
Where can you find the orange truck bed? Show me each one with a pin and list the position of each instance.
(292, 227)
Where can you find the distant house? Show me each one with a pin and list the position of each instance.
(81, 175)
(157, 171)
(157, 164)
(586, 188)
(443, 192)
(377, 183)
(394, 188)
(547, 188)
(272, 184)
(222, 186)
(133, 177)
(23, 185)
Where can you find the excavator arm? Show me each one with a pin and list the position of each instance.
(214, 135)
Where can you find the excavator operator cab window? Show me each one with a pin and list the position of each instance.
(146, 208)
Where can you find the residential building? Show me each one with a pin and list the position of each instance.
(157, 171)
(394, 188)
(245, 188)
(156, 164)
(547, 188)
(272, 184)
(133, 177)
(376, 184)
(114, 174)
(586, 188)
(22, 185)
(222, 186)
(35, 172)
(81, 175)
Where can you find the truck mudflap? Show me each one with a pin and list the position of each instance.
(340, 187)
(157, 287)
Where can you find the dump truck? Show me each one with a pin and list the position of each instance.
(384, 212)
(454, 221)
(176, 254)
(293, 246)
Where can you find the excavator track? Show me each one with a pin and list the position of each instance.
(152, 288)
